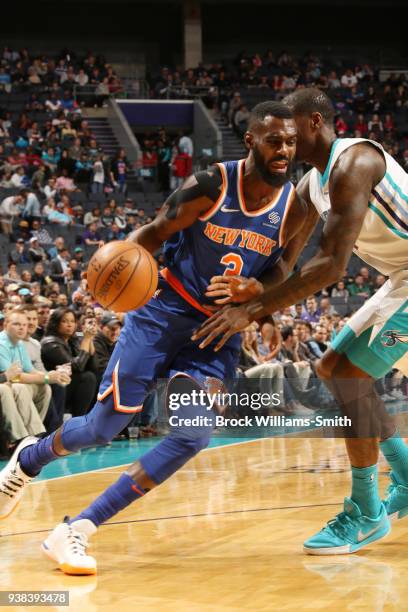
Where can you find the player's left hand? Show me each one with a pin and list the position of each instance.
(225, 323)
(233, 289)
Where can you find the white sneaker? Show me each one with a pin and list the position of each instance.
(67, 544)
(13, 480)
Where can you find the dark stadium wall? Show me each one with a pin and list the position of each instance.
(290, 25)
(121, 31)
(155, 113)
(152, 31)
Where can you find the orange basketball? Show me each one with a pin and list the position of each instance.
(122, 276)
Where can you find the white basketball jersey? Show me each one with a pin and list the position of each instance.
(383, 239)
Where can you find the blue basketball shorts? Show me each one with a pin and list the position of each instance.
(155, 343)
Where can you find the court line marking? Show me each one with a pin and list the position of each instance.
(111, 467)
(187, 516)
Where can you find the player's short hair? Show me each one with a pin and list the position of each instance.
(310, 100)
(266, 109)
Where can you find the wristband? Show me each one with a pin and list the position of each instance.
(46, 378)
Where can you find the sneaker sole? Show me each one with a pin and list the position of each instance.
(348, 548)
(77, 571)
(65, 567)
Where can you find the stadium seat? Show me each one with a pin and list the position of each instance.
(340, 305)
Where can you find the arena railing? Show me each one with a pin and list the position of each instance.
(171, 92)
(125, 89)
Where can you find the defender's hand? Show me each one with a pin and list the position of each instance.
(225, 323)
(233, 289)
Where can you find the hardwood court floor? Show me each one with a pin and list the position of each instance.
(225, 533)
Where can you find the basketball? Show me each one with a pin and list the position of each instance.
(122, 276)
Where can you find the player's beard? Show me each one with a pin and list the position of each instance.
(275, 179)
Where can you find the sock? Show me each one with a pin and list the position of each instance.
(395, 451)
(116, 497)
(364, 490)
(33, 458)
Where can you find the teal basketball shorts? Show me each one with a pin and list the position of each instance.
(375, 338)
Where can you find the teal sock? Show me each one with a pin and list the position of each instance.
(364, 491)
(395, 451)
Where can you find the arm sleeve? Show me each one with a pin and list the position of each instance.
(26, 362)
(53, 354)
(80, 361)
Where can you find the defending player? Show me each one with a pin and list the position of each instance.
(239, 218)
(362, 193)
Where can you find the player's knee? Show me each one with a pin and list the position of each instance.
(196, 445)
(324, 367)
(320, 368)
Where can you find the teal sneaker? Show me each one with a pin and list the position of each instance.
(396, 502)
(348, 532)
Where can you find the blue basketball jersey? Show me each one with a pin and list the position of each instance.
(228, 239)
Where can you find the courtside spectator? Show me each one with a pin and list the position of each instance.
(61, 345)
(12, 350)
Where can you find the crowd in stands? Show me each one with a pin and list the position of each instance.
(366, 107)
(60, 199)
(19, 71)
(45, 142)
(167, 158)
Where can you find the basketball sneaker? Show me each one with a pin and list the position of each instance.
(13, 480)
(396, 502)
(348, 532)
(67, 544)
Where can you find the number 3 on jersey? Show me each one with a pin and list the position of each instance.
(234, 263)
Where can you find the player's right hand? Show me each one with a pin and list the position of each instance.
(233, 289)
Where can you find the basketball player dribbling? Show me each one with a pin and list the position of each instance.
(362, 193)
(220, 223)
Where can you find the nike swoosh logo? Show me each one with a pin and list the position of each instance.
(224, 209)
(363, 536)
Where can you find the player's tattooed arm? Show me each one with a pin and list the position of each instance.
(182, 208)
(206, 184)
